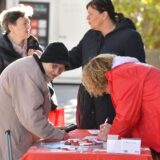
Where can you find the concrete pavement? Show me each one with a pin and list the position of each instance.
(67, 98)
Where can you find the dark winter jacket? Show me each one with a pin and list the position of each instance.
(123, 41)
(7, 52)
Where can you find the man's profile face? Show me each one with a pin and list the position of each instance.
(52, 70)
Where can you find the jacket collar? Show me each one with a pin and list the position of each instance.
(118, 60)
(39, 63)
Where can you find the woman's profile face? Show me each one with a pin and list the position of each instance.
(21, 28)
(95, 18)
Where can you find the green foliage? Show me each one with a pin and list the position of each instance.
(146, 16)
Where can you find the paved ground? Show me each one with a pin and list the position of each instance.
(67, 98)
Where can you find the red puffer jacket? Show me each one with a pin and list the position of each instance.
(135, 91)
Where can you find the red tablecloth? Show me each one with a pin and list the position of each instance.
(36, 153)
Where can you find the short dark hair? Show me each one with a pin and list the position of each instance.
(103, 5)
(32, 43)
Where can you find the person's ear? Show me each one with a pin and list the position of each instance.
(10, 27)
(105, 15)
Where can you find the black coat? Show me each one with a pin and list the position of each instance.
(123, 41)
(7, 52)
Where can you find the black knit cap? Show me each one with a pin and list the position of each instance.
(56, 53)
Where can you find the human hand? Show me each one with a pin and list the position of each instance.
(61, 127)
(38, 52)
(33, 51)
(66, 136)
(103, 132)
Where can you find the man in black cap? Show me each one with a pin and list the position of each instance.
(60, 58)
(25, 101)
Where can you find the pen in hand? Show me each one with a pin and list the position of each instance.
(104, 129)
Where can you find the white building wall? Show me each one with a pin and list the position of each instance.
(11, 3)
(72, 25)
(72, 21)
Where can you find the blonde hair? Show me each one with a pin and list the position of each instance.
(93, 75)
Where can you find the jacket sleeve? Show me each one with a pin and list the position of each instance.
(134, 46)
(28, 100)
(75, 56)
(1, 65)
(126, 94)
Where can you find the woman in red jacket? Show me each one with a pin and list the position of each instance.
(135, 91)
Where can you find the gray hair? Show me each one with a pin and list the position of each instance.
(10, 16)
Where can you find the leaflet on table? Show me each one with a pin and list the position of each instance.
(124, 145)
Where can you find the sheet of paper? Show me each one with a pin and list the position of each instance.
(131, 146)
(93, 131)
